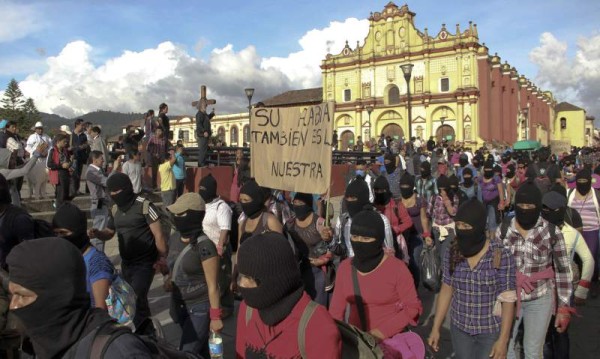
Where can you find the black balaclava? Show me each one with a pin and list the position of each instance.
(510, 171)
(208, 188)
(583, 187)
(303, 210)
(367, 255)
(269, 260)
(554, 208)
(54, 269)
(505, 159)
(5, 197)
(357, 188)
(471, 241)
(443, 183)
(463, 160)
(390, 167)
(557, 187)
(124, 199)
(488, 169)
(407, 185)
(453, 185)
(467, 177)
(425, 169)
(254, 208)
(528, 193)
(69, 216)
(381, 183)
(190, 223)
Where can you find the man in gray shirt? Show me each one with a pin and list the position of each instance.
(133, 169)
(96, 181)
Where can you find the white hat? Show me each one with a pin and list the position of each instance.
(65, 128)
(38, 125)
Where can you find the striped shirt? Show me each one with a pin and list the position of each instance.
(587, 211)
(541, 249)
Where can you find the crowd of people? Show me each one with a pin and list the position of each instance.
(510, 239)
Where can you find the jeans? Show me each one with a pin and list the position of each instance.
(140, 276)
(202, 151)
(469, 346)
(314, 284)
(195, 329)
(100, 219)
(535, 315)
(415, 246)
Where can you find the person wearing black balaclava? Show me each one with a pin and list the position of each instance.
(256, 217)
(70, 223)
(355, 198)
(540, 269)
(217, 226)
(382, 279)
(392, 174)
(314, 254)
(16, 224)
(468, 184)
(441, 209)
(142, 244)
(492, 196)
(482, 333)
(48, 283)
(426, 184)
(195, 277)
(274, 302)
(586, 201)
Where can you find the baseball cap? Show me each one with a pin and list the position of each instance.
(189, 201)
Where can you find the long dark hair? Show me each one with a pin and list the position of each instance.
(455, 257)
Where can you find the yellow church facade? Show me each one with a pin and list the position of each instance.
(457, 90)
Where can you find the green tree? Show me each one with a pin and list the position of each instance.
(31, 115)
(13, 103)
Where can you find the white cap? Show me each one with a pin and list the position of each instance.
(38, 125)
(65, 128)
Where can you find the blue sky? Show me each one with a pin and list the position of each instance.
(77, 56)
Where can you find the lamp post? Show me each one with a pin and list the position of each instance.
(407, 70)
(442, 120)
(369, 109)
(249, 93)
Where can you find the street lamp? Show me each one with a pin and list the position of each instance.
(249, 93)
(369, 110)
(442, 120)
(407, 70)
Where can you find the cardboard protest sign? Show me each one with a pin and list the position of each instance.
(559, 147)
(291, 147)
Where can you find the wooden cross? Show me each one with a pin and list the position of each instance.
(203, 103)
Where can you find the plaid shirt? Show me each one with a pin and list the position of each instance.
(157, 146)
(476, 290)
(540, 250)
(438, 212)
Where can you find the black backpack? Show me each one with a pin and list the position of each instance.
(110, 331)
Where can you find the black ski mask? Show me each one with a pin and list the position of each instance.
(124, 199)
(528, 193)
(367, 255)
(302, 211)
(555, 208)
(254, 208)
(407, 185)
(471, 241)
(381, 187)
(70, 217)
(390, 167)
(584, 181)
(357, 188)
(463, 161)
(488, 169)
(208, 188)
(425, 169)
(190, 223)
(467, 177)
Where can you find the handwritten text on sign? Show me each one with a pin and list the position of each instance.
(291, 147)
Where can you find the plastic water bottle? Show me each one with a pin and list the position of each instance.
(215, 345)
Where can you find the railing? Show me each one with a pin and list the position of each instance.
(225, 156)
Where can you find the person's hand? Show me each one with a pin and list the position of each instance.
(93, 233)
(318, 262)
(161, 266)
(66, 165)
(434, 340)
(167, 283)
(220, 249)
(501, 206)
(580, 301)
(561, 323)
(428, 241)
(377, 334)
(205, 134)
(499, 349)
(216, 325)
(326, 234)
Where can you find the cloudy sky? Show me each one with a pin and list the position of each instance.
(73, 57)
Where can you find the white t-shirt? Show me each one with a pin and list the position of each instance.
(217, 218)
(134, 171)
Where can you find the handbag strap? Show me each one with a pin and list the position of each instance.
(178, 261)
(360, 306)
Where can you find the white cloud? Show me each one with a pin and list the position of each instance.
(302, 67)
(19, 20)
(136, 81)
(571, 78)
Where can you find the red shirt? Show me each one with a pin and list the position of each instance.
(281, 341)
(399, 218)
(388, 292)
